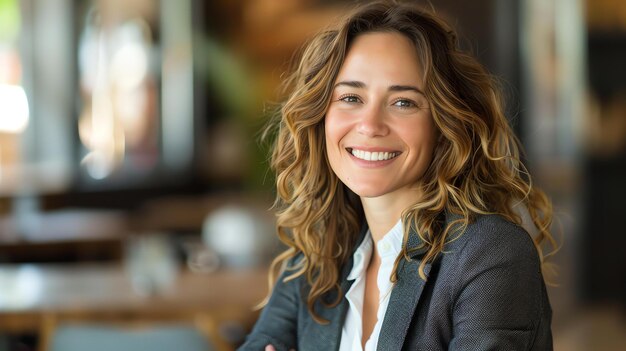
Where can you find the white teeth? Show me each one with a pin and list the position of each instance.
(373, 156)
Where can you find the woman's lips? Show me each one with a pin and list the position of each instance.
(372, 156)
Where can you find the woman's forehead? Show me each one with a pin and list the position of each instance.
(382, 56)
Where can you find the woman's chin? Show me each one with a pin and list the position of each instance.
(365, 191)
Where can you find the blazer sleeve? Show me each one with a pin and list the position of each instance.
(277, 324)
(500, 302)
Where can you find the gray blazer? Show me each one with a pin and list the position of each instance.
(485, 292)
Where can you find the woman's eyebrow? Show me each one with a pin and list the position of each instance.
(394, 88)
(352, 84)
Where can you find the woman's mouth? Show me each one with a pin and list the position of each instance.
(373, 155)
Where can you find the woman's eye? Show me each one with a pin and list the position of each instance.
(404, 103)
(349, 99)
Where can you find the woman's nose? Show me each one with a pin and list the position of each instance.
(372, 123)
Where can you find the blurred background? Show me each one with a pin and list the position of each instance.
(135, 196)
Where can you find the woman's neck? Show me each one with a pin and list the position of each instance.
(383, 212)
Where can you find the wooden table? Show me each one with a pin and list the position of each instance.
(33, 295)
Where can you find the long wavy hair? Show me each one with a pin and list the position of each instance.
(476, 168)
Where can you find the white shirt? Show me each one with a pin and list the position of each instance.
(388, 249)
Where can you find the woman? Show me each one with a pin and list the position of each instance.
(399, 192)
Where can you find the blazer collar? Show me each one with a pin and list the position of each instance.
(402, 302)
(406, 294)
(336, 316)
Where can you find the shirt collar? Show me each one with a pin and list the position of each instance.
(390, 245)
(361, 257)
(388, 248)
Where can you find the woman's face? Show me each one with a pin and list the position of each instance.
(380, 135)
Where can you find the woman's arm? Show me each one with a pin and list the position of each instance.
(277, 325)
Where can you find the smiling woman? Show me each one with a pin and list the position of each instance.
(399, 191)
(378, 108)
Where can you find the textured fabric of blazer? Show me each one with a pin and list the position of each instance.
(484, 292)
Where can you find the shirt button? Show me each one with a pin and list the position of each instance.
(385, 247)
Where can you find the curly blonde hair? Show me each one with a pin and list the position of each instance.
(476, 168)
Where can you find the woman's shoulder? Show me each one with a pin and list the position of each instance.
(491, 252)
(496, 237)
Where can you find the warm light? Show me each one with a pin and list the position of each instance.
(129, 66)
(13, 109)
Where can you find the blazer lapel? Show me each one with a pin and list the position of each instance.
(402, 303)
(327, 336)
(336, 316)
(404, 297)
